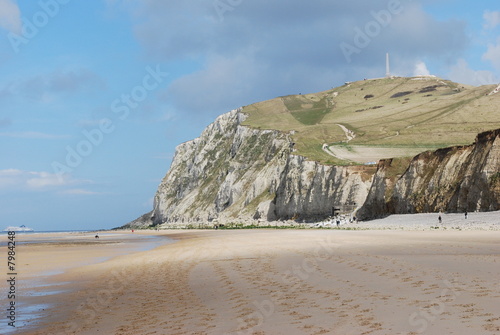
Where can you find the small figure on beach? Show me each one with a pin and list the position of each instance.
(465, 214)
(439, 219)
(338, 222)
(96, 235)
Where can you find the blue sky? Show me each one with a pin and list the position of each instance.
(95, 95)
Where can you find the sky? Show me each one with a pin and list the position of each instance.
(95, 95)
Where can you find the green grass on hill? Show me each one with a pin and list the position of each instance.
(390, 112)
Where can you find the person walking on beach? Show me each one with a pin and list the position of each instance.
(439, 219)
(465, 215)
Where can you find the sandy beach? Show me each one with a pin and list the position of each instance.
(270, 281)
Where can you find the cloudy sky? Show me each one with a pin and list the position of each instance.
(95, 95)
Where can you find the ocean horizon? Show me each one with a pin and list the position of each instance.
(3, 232)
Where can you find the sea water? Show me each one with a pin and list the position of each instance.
(29, 314)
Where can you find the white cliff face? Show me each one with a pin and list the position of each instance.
(222, 174)
(309, 189)
(453, 179)
(233, 173)
(236, 174)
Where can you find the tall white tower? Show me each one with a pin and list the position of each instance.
(387, 66)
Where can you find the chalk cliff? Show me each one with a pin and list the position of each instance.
(455, 179)
(234, 173)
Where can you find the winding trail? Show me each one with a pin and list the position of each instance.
(495, 91)
(348, 133)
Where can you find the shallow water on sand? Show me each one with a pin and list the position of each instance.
(28, 312)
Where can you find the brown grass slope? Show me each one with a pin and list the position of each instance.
(413, 114)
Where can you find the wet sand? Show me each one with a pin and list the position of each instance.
(42, 259)
(286, 282)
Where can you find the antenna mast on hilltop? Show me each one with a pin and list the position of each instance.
(387, 66)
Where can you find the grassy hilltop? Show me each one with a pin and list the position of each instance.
(368, 120)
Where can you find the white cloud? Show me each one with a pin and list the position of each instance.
(221, 75)
(10, 16)
(40, 180)
(462, 73)
(493, 54)
(46, 87)
(262, 49)
(20, 180)
(492, 19)
(415, 34)
(168, 116)
(10, 172)
(10, 178)
(421, 69)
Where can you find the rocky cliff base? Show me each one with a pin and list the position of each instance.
(237, 174)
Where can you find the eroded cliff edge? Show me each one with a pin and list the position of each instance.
(234, 173)
(455, 179)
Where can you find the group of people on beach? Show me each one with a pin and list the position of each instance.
(440, 219)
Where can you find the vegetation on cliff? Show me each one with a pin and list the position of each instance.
(390, 117)
(298, 157)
